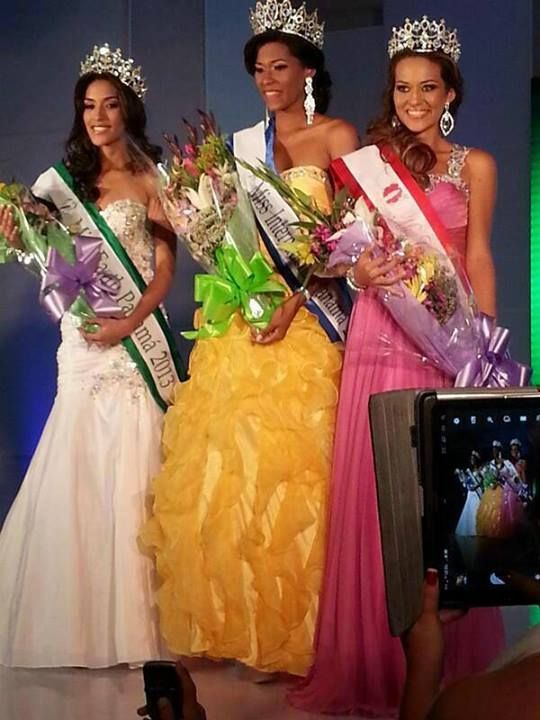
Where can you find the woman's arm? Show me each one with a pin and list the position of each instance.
(342, 138)
(112, 330)
(481, 175)
(153, 296)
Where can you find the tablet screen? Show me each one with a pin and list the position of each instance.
(486, 517)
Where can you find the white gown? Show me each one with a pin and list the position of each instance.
(467, 520)
(75, 590)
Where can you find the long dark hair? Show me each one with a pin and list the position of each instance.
(82, 158)
(418, 157)
(308, 55)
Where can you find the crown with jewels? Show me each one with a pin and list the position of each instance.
(424, 36)
(104, 60)
(281, 15)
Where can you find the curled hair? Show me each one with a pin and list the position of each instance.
(82, 158)
(308, 55)
(416, 155)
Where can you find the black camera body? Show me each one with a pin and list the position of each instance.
(458, 490)
(161, 682)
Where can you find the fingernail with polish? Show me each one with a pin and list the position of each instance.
(431, 576)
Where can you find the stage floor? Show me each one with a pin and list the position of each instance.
(115, 694)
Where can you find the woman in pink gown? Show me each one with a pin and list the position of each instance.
(359, 667)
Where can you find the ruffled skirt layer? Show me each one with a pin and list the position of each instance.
(239, 513)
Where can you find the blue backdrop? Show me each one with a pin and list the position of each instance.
(191, 53)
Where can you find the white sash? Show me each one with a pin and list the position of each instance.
(274, 219)
(151, 346)
(403, 204)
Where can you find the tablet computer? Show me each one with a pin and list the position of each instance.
(458, 489)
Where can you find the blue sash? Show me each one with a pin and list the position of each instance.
(331, 303)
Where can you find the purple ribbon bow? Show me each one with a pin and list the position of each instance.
(351, 242)
(493, 366)
(64, 282)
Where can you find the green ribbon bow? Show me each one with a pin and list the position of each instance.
(238, 284)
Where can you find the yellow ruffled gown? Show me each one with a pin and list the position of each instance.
(238, 526)
(489, 516)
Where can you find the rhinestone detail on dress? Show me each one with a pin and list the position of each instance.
(92, 367)
(454, 168)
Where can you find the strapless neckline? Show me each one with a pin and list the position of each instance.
(123, 201)
(313, 171)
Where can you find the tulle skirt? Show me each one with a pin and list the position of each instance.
(239, 511)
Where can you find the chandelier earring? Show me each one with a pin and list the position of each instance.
(309, 101)
(395, 123)
(446, 122)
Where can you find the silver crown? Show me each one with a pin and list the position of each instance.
(424, 36)
(280, 15)
(104, 60)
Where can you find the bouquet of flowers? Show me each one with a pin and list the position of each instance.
(433, 304)
(435, 307)
(211, 214)
(67, 263)
(322, 239)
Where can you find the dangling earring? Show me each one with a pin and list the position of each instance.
(266, 116)
(395, 122)
(446, 122)
(309, 101)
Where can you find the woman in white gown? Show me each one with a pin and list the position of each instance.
(471, 479)
(74, 588)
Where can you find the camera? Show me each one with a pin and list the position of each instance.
(161, 682)
(457, 474)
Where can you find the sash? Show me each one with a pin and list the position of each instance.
(380, 177)
(274, 218)
(151, 346)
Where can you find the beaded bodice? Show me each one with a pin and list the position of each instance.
(454, 168)
(127, 219)
(313, 181)
(91, 367)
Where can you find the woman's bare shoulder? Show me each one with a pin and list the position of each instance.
(341, 137)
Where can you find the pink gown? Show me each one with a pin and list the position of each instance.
(513, 511)
(359, 667)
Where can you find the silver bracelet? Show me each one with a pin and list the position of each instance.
(305, 292)
(351, 280)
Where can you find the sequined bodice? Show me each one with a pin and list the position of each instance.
(127, 219)
(454, 169)
(313, 181)
(449, 196)
(92, 368)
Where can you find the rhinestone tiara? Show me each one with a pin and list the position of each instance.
(104, 60)
(424, 36)
(281, 15)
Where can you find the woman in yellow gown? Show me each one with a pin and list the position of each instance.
(238, 527)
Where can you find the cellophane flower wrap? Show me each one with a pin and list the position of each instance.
(66, 262)
(212, 216)
(433, 304)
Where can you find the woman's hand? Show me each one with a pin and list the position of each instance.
(9, 229)
(280, 322)
(370, 271)
(191, 710)
(424, 650)
(111, 330)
